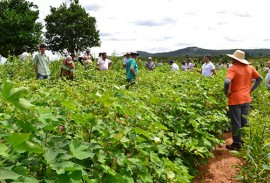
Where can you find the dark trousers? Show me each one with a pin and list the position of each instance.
(238, 115)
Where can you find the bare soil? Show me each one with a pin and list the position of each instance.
(222, 168)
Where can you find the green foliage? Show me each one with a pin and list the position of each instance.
(18, 26)
(71, 27)
(257, 141)
(94, 130)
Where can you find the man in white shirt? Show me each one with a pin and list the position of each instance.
(219, 65)
(175, 67)
(24, 55)
(184, 66)
(267, 69)
(267, 80)
(189, 65)
(126, 57)
(208, 68)
(104, 63)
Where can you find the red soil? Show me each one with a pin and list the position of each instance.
(222, 168)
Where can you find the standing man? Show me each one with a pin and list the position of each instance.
(267, 69)
(237, 87)
(174, 65)
(41, 63)
(87, 57)
(132, 67)
(150, 64)
(208, 68)
(126, 57)
(24, 55)
(184, 66)
(267, 80)
(104, 63)
(189, 65)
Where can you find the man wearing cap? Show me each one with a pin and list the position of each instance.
(104, 63)
(126, 57)
(237, 87)
(132, 67)
(68, 68)
(87, 57)
(150, 64)
(41, 63)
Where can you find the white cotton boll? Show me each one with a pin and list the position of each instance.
(170, 175)
(157, 140)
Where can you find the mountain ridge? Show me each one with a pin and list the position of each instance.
(197, 52)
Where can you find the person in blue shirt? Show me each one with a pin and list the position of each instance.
(132, 67)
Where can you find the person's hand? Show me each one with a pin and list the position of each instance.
(229, 93)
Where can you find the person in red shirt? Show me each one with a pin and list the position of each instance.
(237, 87)
(68, 68)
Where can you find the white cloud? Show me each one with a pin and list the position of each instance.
(167, 25)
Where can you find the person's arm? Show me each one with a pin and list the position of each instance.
(256, 84)
(36, 70)
(153, 66)
(97, 65)
(35, 66)
(214, 71)
(110, 65)
(227, 86)
(124, 63)
(133, 71)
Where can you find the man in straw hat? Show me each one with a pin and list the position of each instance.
(237, 87)
(125, 59)
(132, 67)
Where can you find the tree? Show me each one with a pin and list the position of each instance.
(71, 27)
(18, 26)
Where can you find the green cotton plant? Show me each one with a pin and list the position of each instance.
(257, 141)
(257, 150)
(94, 129)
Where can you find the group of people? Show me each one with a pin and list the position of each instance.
(207, 70)
(241, 80)
(238, 86)
(131, 67)
(42, 61)
(220, 65)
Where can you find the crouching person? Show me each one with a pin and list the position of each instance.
(67, 69)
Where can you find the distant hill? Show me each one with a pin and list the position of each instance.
(196, 52)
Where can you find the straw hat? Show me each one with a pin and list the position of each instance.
(239, 56)
(127, 53)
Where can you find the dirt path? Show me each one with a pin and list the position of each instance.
(220, 169)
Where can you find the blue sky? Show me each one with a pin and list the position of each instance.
(167, 25)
